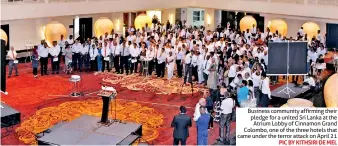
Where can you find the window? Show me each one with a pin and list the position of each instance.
(202, 15)
(196, 15)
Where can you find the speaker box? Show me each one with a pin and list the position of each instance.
(3, 65)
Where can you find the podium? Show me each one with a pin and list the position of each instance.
(106, 98)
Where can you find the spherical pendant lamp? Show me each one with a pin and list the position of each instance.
(310, 28)
(330, 91)
(4, 36)
(53, 32)
(278, 25)
(247, 22)
(102, 26)
(141, 20)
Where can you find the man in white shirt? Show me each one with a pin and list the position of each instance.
(266, 93)
(84, 56)
(310, 81)
(188, 68)
(256, 80)
(13, 62)
(76, 58)
(43, 51)
(70, 40)
(206, 66)
(62, 44)
(54, 53)
(134, 52)
(179, 57)
(105, 55)
(197, 113)
(226, 114)
(93, 52)
(115, 52)
(232, 72)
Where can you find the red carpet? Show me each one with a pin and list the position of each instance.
(27, 94)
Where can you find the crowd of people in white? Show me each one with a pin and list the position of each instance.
(226, 60)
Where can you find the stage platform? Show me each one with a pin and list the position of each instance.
(278, 99)
(9, 116)
(86, 130)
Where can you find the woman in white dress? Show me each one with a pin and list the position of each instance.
(170, 65)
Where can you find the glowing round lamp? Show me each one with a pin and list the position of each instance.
(53, 32)
(4, 36)
(297, 102)
(247, 22)
(310, 28)
(141, 20)
(279, 25)
(330, 91)
(102, 26)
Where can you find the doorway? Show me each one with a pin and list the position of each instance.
(85, 28)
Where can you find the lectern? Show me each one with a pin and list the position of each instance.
(106, 96)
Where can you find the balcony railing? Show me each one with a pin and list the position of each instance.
(303, 2)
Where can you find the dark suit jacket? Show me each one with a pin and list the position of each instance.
(181, 123)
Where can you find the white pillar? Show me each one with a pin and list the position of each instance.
(218, 17)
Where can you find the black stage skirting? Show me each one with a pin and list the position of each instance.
(9, 116)
(86, 130)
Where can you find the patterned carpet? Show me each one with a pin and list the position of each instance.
(68, 111)
(152, 102)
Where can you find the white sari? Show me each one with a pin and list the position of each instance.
(170, 66)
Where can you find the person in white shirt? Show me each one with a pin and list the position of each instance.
(256, 80)
(85, 56)
(93, 52)
(115, 52)
(206, 67)
(151, 56)
(253, 29)
(232, 71)
(197, 114)
(161, 63)
(77, 47)
(227, 106)
(105, 55)
(134, 52)
(54, 53)
(194, 65)
(13, 62)
(266, 93)
(301, 31)
(70, 40)
(170, 65)
(188, 67)
(43, 51)
(310, 81)
(236, 81)
(179, 58)
(200, 69)
(62, 44)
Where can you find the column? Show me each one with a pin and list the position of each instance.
(218, 17)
